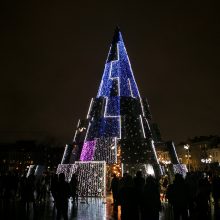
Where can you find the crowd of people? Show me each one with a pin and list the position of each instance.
(192, 197)
(140, 198)
(32, 190)
(188, 198)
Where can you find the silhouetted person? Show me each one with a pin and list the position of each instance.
(42, 189)
(191, 183)
(62, 196)
(128, 199)
(74, 187)
(1, 185)
(14, 185)
(54, 185)
(7, 186)
(29, 191)
(216, 191)
(139, 183)
(115, 189)
(164, 185)
(202, 199)
(22, 185)
(150, 202)
(178, 197)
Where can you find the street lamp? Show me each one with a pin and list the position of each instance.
(207, 160)
(186, 146)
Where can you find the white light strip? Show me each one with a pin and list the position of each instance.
(109, 53)
(100, 88)
(106, 102)
(153, 147)
(175, 152)
(75, 136)
(120, 126)
(129, 83)
(122, 169)
(116, 149)
(90, 105)
(118, 55)
(87, 132)
(110, 71)
(142, 107)
(104, 177)
(64, 154)
(148, 124)
(119, 91)
(78, 123)
(142, 126)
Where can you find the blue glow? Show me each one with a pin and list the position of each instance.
(112, 107)
(117, 81)
(104, 127)
(120, 68)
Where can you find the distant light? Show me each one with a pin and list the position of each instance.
(209, 160)
(149, 170)
(113, 147)
(186, 146)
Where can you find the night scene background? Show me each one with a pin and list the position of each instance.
(53, 56)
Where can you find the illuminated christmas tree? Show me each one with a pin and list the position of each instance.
(118, 128)
(117, 118)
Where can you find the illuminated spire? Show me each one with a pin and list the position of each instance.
(118, 78)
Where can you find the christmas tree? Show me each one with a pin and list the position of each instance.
(118, 128)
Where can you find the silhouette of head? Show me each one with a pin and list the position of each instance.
(61, 177)
(128, 181)
(150, 180)
(139, 173)
(114, 175)
(178, 178)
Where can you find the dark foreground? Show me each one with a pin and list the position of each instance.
(86, 209)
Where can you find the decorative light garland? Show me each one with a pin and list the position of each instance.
(90, 175)
(88, 151)
(106, 149)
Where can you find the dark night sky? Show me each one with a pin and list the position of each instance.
(53, 55)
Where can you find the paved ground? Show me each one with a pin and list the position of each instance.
(87, 209)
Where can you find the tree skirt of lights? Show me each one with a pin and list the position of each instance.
(91, 177)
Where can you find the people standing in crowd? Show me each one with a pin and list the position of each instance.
(139, 183)
(178, 197)
(41, 187)
(216, 191)
(191, 181)
(29, 191)
(62, 196)
(22, 188)
(53, 186)
(74, 188)
(163, 187)
(203, 199)
(115, 189)
(150, 200)
(127, 198)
